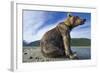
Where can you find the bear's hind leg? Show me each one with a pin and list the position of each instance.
(51, 52)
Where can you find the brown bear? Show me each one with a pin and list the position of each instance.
(56, 42)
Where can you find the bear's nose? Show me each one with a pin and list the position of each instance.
(84, 20)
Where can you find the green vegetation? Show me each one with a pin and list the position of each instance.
(80, 42)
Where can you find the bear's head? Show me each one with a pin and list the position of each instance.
(74, 21)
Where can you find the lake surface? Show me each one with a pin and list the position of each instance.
(82, 52)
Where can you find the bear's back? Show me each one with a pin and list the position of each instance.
(52, 35)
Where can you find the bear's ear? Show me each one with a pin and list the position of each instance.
(69, 15)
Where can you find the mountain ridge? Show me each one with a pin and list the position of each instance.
(74, 42)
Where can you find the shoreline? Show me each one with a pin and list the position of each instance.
(71, 46)
(81, 47)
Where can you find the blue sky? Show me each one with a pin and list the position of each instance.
(36, 23)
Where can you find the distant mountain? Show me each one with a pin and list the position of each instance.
(74, 42)
(25, 43)
(35, 43)
(80, 42)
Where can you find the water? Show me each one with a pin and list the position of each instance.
(82, 53)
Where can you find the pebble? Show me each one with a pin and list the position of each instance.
(25, 53)
(36, 58)
(31, 57)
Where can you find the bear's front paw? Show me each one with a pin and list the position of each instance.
(73, 56)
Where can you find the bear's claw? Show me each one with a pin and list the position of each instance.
(73, 56)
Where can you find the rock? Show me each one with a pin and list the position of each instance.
(30, 57)
(25, 53)
(36, 57)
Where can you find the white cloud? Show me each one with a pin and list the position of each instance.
(31, 21)
(82, 33)
(34, 19)
(29, 37)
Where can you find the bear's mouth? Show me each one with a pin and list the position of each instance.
(83, 21)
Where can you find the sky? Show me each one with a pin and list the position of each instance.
(36, 23)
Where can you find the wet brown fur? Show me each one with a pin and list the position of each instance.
(56, 42)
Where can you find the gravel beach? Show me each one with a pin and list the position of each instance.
(33, 54)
